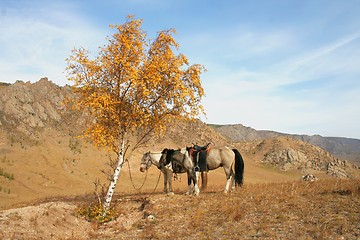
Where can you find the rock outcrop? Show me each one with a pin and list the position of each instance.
(340, 147)
(27, 108)
(293, 154)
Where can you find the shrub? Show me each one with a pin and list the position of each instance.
(6, 175)
(96, 213)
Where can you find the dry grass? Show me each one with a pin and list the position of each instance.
(295, 210)
(327, 209)
(273, 204)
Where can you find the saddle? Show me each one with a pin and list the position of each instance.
(201, 148)
(199, 155)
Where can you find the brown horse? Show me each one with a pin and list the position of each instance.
(230, 160)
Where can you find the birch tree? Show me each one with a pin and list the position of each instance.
(133, 85)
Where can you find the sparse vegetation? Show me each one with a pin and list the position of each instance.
(321, 210)
(7, 175)
(215, 125)
(75, 145)
(3, 84)
(95, 213)
(53, 181)
(325, 209)
(5, 190)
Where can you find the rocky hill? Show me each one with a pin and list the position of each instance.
(290, 154)
(42, 156)
(27, 110)
(343, 148)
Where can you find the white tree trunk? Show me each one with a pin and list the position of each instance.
(115, 178)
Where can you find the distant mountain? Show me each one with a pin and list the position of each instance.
(343, 148)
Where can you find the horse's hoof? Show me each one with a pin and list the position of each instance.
(170, 193)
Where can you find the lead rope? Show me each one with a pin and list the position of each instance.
(156, 183)
(132, 181)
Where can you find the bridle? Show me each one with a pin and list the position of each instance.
(149, 162)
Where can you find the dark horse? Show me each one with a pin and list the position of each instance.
(181, 157)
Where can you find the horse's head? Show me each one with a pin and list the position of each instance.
(145, 162)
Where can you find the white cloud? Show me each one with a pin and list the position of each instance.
(36, 43)
(237, 45)
(324, 61)
(300, 94)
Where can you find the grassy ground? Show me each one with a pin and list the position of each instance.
(52, 180)
(294, 210)
(326, 209)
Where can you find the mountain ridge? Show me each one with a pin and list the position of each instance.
(341, 147)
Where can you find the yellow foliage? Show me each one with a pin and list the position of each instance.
(95, 213)
(134, 84)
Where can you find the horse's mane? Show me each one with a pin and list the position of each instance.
(169, 153)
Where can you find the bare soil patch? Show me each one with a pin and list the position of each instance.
(326, 209)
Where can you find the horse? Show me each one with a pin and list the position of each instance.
(150, 158)
(226, 158)
(181, 157)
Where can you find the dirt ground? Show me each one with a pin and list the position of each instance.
(292, 210)
(51, 182)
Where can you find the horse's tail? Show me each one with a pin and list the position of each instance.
(239, 168)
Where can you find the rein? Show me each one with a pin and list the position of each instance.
(157, 183)
(142, 185)
(132, 181)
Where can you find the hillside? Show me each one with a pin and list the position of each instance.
(288, 210)
(41, 155)
(47, 173)
(289, 154)
(343, 148)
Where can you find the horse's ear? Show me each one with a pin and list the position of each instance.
(164, 151)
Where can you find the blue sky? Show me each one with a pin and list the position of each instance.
(291, 66)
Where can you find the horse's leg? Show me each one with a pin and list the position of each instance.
(232, 173)
(194, 177)
(233, 181)
(228, 177)
(228, 182)
(165, 181)
(203, 180)
(189, 184)
(170, 182)
(195, 180)
(197, 174)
